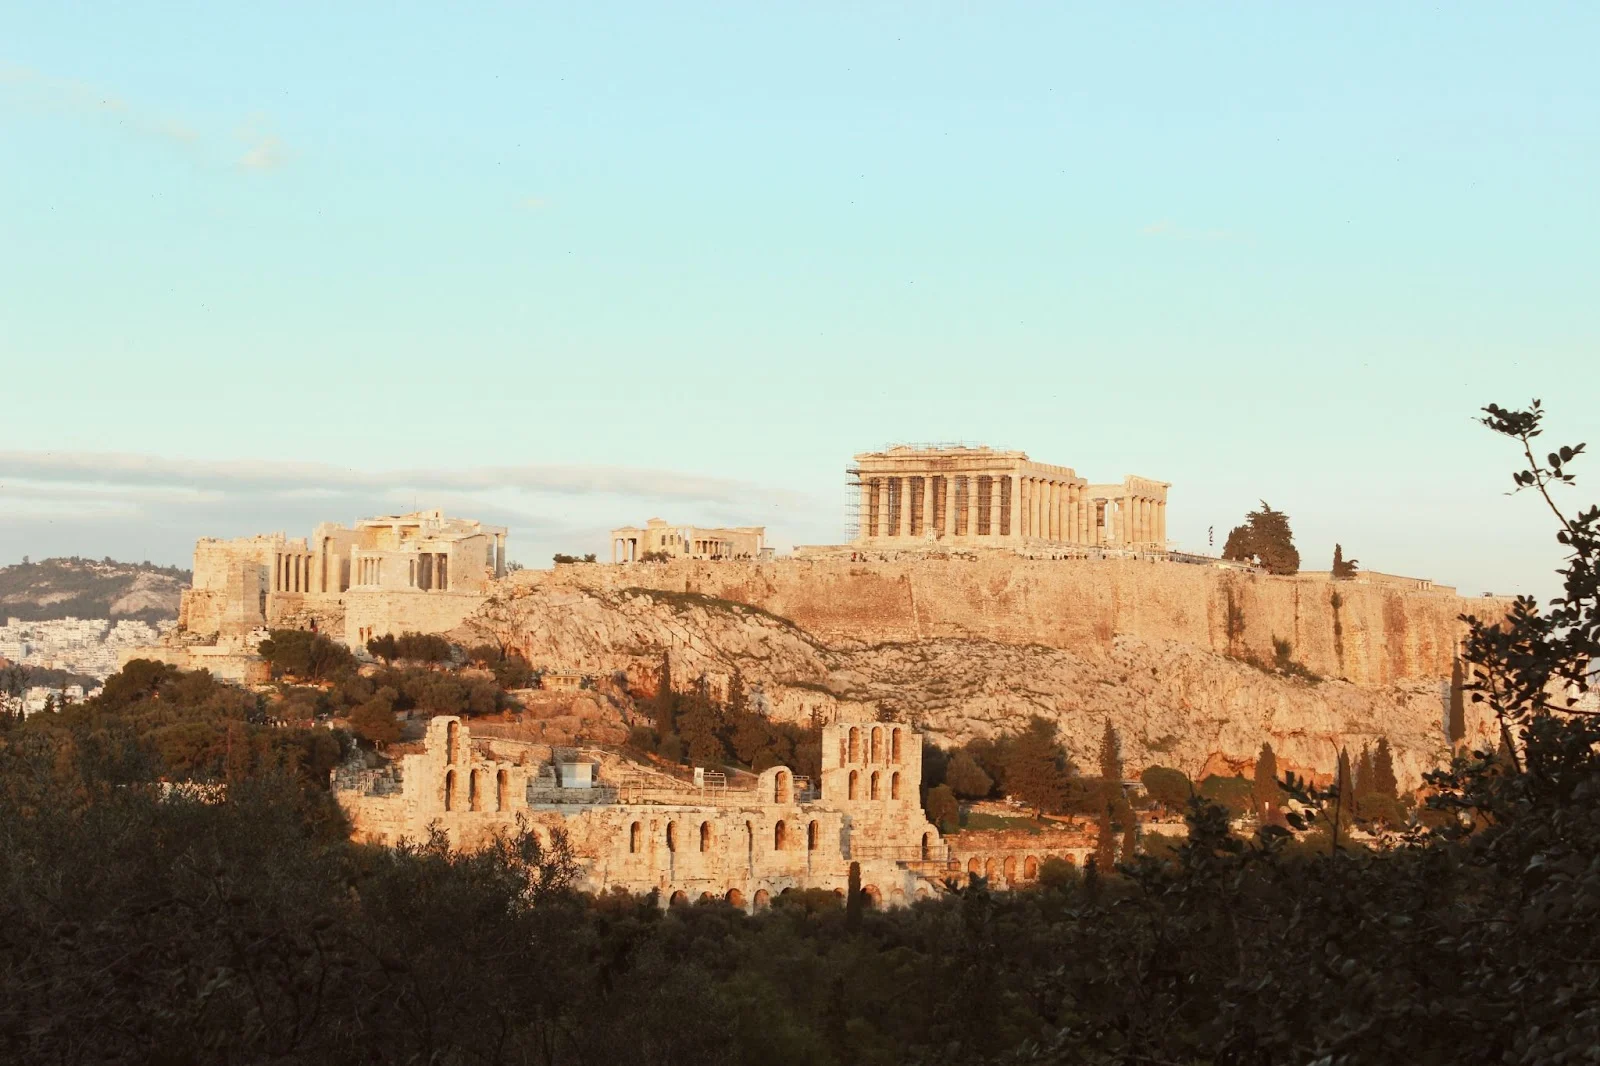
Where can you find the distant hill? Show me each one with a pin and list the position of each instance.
(89, 588)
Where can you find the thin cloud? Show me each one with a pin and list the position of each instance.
(123, 504)
(1171, 230)
(81, 100)
(250, 475)
(266, 152)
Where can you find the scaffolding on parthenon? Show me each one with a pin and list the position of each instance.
(853, 517)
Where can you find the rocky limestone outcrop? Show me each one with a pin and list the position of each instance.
(1173, 704)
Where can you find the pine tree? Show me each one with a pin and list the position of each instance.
(1343, 569)
(736, 695)
(1265, 791)
(1266, 538)
(1036, 767)
(967, 778)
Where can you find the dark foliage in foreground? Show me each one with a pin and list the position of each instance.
(135, 928)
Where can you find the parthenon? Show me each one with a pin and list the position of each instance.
(980, 497)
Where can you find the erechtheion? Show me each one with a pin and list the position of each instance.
(629, 544)
(980, 497)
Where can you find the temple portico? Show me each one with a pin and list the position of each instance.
(980, 497)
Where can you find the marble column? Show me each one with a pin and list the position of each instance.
(880, 528)
(902, 516)
(1161, 524)
(994, 505)
(865, 523)
(1023, 503)
(1055, 511)
(927, 504)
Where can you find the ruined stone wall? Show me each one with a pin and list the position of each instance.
(744, 847)
(1371, 634)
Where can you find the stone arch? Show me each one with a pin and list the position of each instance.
(452, 742)
(780, 835)
(782, 787)
(922, 892)
(474, 790)
(991, 868)
(811, 836)
(633, 838)
(502, 790)
(1010, 868)
(877, 744)
(763, 899)
(706, 897)
(954, 864)
(1030, 868)
(735, 897)
(974, 866)
(855, 744)
(872, 896)
(927, 845)
(449, 790)
(855, 783)
(705, 836)
(679, 898)
(672, 836)
(875, 789)
(894, 785)
(894, 745)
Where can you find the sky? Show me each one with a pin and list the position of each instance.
(569, 267)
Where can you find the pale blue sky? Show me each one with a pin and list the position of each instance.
(685, 260)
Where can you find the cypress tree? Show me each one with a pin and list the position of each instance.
(1265, 790)
(1364, 777)
(854, 901)
(1455, 728)
(1384, 782)
(1111, 755)
(666, 701)
(1105, 841)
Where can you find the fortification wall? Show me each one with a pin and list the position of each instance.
(1371, 634)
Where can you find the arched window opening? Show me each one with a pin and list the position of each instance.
(449, 790)
(780, 836)
(855, 782)
(1030, 868)
(842, 759)
(894, 786)
(973, 866)
(1011, 869)
(811, 837)
(679, 898)
(855, 744)
(474, 792)
(872, 896)
(874, 785)
(877, 744)
(782, 792)
(672, 836)
(735, 897)
(633, 839)
(705, 836)
(502, 791)
(991, 868)
(763, 899)
(927, 845)
(894, 746)
(452, 742)
(706, 897)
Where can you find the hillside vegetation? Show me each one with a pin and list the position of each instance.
(87, 588)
